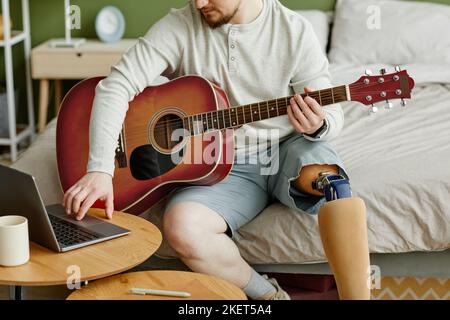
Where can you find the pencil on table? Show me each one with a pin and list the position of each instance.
(168, 293)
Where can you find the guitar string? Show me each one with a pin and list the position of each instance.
(327, 93)
(200, 129)
(224, 119)
(329, 96)
(262, 113)
(240, 118)
(161, 129)
(209, 121)
(249, 109)
(273, 102)
(179, 123)
(197, 128)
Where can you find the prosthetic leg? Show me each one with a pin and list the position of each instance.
(343, 230)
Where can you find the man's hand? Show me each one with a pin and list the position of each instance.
(307, 115)
(93, 186)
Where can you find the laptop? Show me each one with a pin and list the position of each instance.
(50, 226)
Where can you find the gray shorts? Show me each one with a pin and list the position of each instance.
(251, 187)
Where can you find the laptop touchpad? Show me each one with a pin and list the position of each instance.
(59, 211)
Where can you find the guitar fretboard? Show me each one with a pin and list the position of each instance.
(238, 116)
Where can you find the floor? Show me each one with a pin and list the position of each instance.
(392, 289)
(4, 156)
(410, 288)
(405, 288)
(4, 161)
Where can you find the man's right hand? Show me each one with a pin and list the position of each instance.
(92, 187)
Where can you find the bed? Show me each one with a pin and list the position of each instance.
(398, 162)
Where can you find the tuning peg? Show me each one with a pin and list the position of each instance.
(373, 109)
(389, 105)
(368, 72)
(398, 69)
(383, 71)
(403, 103)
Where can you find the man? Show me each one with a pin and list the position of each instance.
(255, 50)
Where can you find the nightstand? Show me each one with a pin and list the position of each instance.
(92, 59)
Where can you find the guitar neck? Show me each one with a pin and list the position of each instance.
(238, 116)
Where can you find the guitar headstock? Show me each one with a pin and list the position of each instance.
(370, 89)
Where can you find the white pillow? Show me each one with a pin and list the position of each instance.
(320, 21)
(409, 32)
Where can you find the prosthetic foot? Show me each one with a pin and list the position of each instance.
(343, 230)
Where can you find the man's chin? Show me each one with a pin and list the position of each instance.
(215, 19)
(213, 22)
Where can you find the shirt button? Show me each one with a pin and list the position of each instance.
(232, 33)
(232, 59)
(233, 46)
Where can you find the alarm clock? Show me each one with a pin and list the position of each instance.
(110, 24)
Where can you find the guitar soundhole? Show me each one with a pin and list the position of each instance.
(168, 132)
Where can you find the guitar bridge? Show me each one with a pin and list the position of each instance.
(121, 155)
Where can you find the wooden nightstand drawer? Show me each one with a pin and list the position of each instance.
(89, 60)
(72, 65)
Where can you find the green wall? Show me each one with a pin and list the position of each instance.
(47, 21)
(47, 15)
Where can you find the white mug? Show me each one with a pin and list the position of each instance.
(14, 241)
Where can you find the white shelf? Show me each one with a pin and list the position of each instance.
(16, 37)
(18, 133)
(23, 132)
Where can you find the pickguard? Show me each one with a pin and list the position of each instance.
(148, 163)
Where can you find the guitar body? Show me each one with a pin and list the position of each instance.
(148, 163)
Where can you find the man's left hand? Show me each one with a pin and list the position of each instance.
(306, 115)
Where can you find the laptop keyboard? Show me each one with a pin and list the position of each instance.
(69, 234)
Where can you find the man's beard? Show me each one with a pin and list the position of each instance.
(224, 19)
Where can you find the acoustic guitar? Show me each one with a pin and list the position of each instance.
(153, 157)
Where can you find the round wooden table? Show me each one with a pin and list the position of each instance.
(101, 260)
(200, 286)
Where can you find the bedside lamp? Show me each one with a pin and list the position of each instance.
(68, 41)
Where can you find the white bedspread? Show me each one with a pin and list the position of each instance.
(399, 163)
